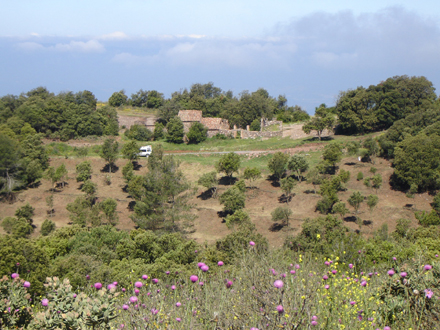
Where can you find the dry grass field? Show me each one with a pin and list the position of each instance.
(260, 202)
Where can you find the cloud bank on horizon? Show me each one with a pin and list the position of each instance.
(309, 59)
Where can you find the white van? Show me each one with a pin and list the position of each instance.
(145, 151)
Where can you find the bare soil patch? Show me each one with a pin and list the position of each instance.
(260, 202)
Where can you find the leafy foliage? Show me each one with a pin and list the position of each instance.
(197, 133)
(228, 163)
(138, 133)
(175, 130)
(233, 200)
(277, 165)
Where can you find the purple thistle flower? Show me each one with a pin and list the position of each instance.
(325, 277)
(173, 287)
(87, 277)
(327, 263)
(123, 289)
(386, 328)
(403, 274)
(297, 266)
(111, 286)
(364, 283)
(251, 243)
(200, 264)
(327, 287)
(98, 286)
(155, 280)
(228, 284)
(314, 318)
(125, 307)
(26, 284)
(14, 275)
(428, 293)
(178, 304)
(390, 272)
(334, 271)
(194, 278)
(220, 263)
(45, 302)
(292, 272)
(145, 277)
(278, 284)
(154, 311)
(204, 268)
(201, 283)
(427, 267)
(314, 323)
(178, 319)
(280, 309)
(350, 266)
(138, 284)
(133, 299)
(352, 303)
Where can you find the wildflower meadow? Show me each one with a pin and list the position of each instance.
(277, 289)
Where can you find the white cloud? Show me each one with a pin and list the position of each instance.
(91, 46)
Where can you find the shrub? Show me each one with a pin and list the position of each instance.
(138, 133)
(83, 171)
(232, 199)
(15, 304)
(47, 227)
(197, 133)
(360, 176)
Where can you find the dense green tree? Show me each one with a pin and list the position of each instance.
(340, 209)
(130, 151)
(356, 200)
(197, 133)
(89, 188)
(108, 206)
(319, 124)
(238, 219)
(376, 181)
(372, 201)
(9, 164)
(255, 125)
(117, 99)
(332, 155)
(162, 197)
(277, 164)
(158, 133)
(228, 164)
(109, 152)
(83, 171)
(298, 164)
(417, 162)
(251, 174)
(47, 227)
(61, 174)
(26, 212)
(168, 111)
(127, 172)
(138, 133)
(378, 107)
(139, 99)
(175, 131)
(232, 200)
(282, 214)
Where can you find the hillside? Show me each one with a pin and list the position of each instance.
(260, 202)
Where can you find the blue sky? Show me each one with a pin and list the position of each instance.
(308, 51)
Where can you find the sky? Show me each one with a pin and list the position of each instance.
(308, 51)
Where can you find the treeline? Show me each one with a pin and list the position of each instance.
(410, 111)
(214, 102)
(64, 116)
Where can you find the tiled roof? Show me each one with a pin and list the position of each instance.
(190, 115)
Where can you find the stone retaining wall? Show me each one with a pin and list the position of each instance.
(254, 134)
